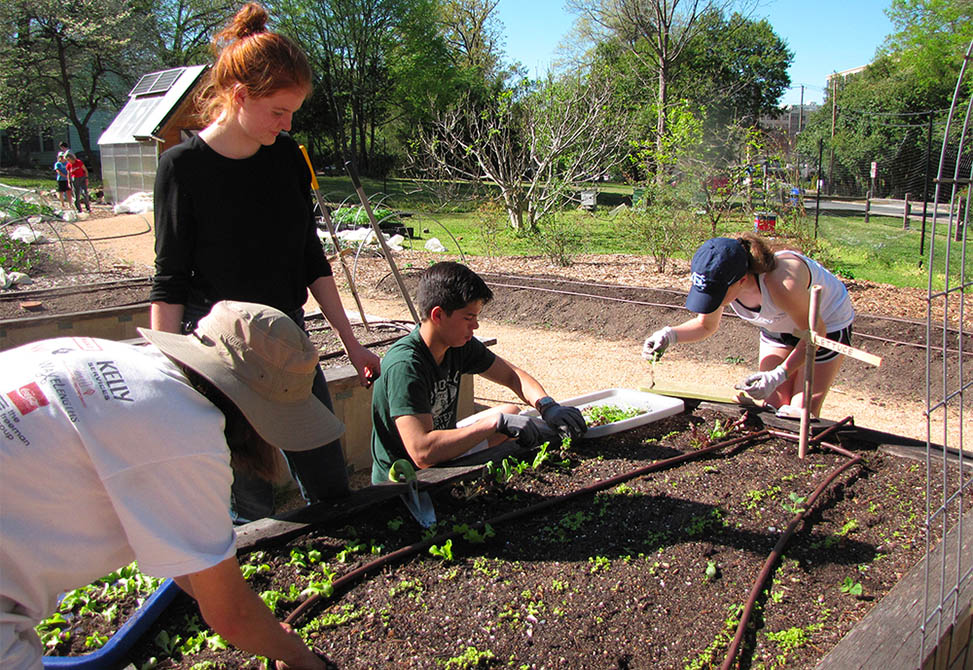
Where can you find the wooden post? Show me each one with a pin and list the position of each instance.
(868, 204)
(812, 322)
(905, 213)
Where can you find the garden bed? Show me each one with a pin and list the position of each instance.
(650, 573)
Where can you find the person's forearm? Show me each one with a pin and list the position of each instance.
(695, 329)
(166, 317)
(438, 446)
(325, 293)
(527, 388)
(241, 617)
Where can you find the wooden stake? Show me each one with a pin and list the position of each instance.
(812, 321)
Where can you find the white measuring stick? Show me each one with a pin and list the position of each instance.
(822, 341)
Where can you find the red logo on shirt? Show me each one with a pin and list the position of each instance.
(28, 398)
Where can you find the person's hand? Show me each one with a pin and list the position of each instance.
(368, 365)
(762, 384)
(656, 344)
(307, 659)
(527, 431)
(566, 420)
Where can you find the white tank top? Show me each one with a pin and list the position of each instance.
(835, 306)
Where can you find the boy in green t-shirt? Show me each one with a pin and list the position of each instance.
(414, 402)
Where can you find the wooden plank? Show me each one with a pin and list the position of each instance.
(676, 390)
(278, 529)
(889, 636)
(110, 323)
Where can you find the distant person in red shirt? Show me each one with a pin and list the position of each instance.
(78, 174)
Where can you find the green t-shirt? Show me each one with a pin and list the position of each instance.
(411, 383)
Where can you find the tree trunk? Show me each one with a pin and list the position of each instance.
(660, 126)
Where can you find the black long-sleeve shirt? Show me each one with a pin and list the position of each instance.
(235, 229)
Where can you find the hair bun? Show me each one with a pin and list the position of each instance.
(250, 20)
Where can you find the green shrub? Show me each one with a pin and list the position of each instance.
(559, 239)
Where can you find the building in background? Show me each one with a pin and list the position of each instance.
(40, 150)
(160, 113)
(783, 129)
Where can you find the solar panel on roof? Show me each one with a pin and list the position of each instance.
(156, 82)
(145, 83)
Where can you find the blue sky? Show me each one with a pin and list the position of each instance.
(826, 36)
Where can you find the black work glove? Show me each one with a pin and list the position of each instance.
(527, 431)
(563, 419)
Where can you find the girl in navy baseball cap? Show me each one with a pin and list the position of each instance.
(773, 292)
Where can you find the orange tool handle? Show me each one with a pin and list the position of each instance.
(314, 177)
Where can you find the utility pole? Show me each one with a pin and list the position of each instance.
(800, 124)
(817, 195)
(834, 117)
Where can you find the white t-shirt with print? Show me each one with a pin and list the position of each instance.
(107, 455)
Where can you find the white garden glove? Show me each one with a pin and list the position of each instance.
(761, 384)
(656, 344)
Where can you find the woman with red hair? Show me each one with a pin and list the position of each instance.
(234, 221)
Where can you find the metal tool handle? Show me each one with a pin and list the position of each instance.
(326, 215)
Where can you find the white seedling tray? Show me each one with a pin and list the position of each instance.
(654, 405)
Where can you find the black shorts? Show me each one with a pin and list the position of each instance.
(63, 186)
(822, 355)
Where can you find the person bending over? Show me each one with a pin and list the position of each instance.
(772, 291)
(122, 452)
(414, 402)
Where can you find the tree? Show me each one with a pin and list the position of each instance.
(655, 33)
(735, 67)
(374, 61)
(930, 39)
(60, 61)
(183, 29)
(534, 142)
(883, 112)
(472, 32)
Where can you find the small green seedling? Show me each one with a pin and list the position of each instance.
(472, 534)
(794, 504)
(710, 571)
(444, 552)
(602, 415)
(851, 587)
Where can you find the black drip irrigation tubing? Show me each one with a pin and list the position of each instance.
(404, 552)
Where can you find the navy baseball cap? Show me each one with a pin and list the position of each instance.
(717, 264)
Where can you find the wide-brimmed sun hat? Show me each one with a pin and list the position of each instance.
(263, 362)
(719, 263)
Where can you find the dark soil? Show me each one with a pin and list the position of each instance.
(610, 579)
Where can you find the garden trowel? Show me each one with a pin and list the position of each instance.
(418, 502)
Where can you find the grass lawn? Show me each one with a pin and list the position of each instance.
(465, 222)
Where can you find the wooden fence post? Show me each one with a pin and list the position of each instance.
(812, 322)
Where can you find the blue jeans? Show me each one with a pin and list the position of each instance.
(320, 473)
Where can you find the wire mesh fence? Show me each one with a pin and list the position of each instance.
(951, 571)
